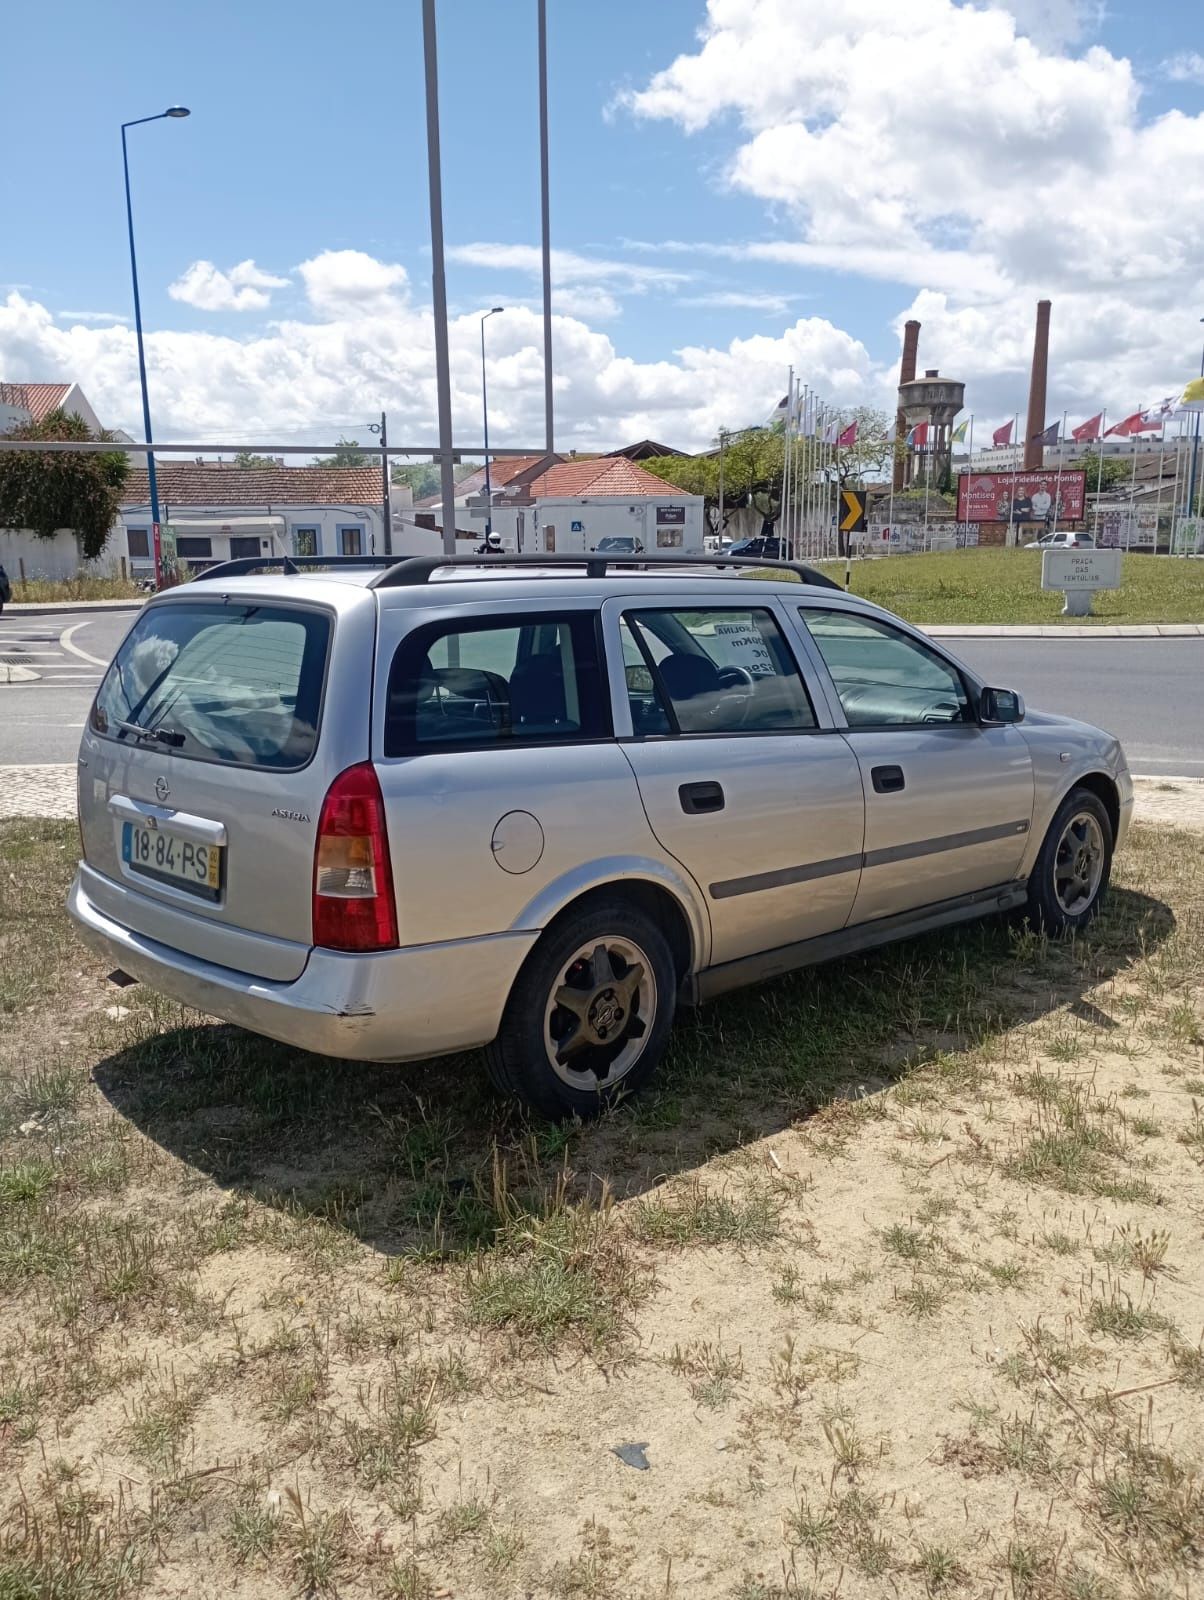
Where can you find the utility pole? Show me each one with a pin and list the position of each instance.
(447, 478)
(722, 444)
(544, 213)
(385, 506)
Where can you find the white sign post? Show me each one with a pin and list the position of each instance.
(1079, 573)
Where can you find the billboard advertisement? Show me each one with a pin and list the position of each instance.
(1020, 496)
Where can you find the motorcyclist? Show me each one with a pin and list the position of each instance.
(492, 545)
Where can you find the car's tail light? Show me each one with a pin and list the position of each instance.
(354, 907)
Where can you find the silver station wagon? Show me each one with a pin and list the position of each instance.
(387, 813)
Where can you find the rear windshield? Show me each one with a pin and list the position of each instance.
(230, 683)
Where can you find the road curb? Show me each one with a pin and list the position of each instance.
(32, 608)
(1124, 630)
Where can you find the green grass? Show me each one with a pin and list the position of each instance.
(83, 586)
(1002, 586)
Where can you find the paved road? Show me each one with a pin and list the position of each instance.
(41, 720)
(1148, 691)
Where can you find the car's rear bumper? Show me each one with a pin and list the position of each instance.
(395, 1005)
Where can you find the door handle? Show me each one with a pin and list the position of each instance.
(887, 780)
(699, 798)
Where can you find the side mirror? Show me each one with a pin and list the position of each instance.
(1000, 706)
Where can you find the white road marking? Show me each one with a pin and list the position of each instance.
(77, 650)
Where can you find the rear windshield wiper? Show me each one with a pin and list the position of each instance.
(168, 736)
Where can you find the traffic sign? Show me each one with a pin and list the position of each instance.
(852, 510)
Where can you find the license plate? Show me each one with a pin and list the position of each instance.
(182, 862)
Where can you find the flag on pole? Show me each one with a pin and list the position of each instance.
(848, 438)
(1048, 436)
(832, 432)
(1089, 430)
(1155, 416)
(779, 411)
(891, 434)
(917, 439)
(1192, 398)
(1003, 435)
(1134, 424)
(959, 433)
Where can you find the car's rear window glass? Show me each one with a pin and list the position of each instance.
(496, 680)
(229, 683)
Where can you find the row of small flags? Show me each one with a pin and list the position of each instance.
(1151, 420)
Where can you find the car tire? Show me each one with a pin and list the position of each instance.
(613, 966)
(1070, 877)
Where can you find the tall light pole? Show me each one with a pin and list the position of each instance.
(447, 480)
(174, 112)
(541, 20)
(485, 423)
(381, 428)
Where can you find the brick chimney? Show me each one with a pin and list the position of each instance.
(907, 372)
(1034, 454)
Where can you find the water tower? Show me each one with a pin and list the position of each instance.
(936, 401)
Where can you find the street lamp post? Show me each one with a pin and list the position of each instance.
(386, 509)
(485, 423)
(174, 112)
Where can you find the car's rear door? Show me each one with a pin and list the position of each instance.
(742, 776)
(200, 778)
(948, 802)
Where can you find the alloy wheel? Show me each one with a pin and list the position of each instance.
(600, 1013)
(1079, 864)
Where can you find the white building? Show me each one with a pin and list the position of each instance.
(218, 512)
(545, 503)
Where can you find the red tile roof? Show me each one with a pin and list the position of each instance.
(39, 399)
(606, 475)
(212, 485)
(501, 472)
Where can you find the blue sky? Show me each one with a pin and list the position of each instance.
(307, 138)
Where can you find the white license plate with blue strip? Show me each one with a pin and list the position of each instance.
(183, 863)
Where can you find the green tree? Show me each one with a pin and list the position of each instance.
(347, 453)
(1117, 471)
(423, 476)
(61, 489)
(246, 459)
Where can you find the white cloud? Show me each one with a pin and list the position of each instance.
(303, 378)
(244, 288)
(91, 316)
(943, 134)
(1186, 67)
(350, 282)
(567, 266)
(744, 300)
(965, 151)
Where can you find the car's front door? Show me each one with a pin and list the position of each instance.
(756, 795)
(948, 802)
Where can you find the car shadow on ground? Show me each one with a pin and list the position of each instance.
(426, 1158)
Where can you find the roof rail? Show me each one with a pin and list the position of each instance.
(414, 570)
(289, 565)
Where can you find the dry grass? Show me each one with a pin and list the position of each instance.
(894, 1277)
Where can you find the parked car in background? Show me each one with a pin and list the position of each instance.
(1062, 541)
(769, 549)
(619, 545)
(384, 816)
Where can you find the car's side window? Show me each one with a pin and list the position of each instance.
(496, 680)
(884, 677)
(711, 671)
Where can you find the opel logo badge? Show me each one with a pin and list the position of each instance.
(162, 788)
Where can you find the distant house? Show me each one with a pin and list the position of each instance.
(22, 403)
(646, 450)
(217, 512)
(22, 553)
